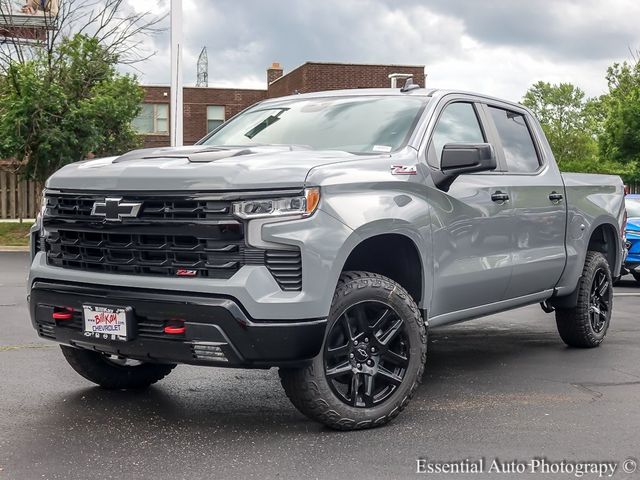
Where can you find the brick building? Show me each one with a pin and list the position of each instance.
(206, 108)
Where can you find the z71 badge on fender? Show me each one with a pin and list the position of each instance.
(404, 170)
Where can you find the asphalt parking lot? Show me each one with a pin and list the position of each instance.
(504, 386)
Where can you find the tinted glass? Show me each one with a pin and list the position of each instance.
(519, 150)
(360, 124)
(457, 124)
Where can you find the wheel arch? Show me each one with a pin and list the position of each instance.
(396, 256)
(603, 238)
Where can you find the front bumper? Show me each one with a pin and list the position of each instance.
(213, 324)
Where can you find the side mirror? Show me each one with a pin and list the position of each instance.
(458, 159)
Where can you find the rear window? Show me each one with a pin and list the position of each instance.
(519, 150)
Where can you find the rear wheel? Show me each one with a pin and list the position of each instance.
(112, 372)
(372, 358)
(586, 324)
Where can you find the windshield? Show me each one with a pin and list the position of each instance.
(633, 207)
(361, 124)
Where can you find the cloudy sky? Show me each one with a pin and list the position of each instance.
(499, 47)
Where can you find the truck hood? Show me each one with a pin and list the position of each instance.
(197, 168)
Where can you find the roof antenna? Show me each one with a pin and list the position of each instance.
(409, 85)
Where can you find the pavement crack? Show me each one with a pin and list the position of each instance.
(591, 388)
(625, 373)
(595, 394)
(609, 384)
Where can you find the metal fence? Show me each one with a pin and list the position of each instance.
(18, 198)
(633, 187)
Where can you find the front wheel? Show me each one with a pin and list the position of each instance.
(586, 324)
(112, 372)
(372, 359)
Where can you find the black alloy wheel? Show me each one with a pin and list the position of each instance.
(585, 324)
(599, 301)
(372, 358)
(366, 354)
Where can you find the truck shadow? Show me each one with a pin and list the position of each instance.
(485, 356)
(209, 417)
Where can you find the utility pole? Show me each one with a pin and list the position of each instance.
(176, 74)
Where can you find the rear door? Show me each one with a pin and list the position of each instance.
(537, 200)
(471, 222)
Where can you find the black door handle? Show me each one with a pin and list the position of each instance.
(500, 197)
(555, 196)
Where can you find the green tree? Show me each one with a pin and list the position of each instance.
(620, 138)
(54, 114)
(570, 123)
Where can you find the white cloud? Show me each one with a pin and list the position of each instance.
(499, 47)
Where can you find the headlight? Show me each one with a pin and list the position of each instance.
(43, 204)
(304, 205)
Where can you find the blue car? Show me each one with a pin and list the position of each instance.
(632, 234)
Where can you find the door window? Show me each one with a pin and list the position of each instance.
(519, 150)
(457, 124)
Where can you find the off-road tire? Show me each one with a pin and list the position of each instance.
(308, 388)
(97, 368)
(636, 276)
(574, 324)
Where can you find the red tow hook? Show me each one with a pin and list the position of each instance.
(175, 327)
(63, 314)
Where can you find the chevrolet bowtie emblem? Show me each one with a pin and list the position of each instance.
(114, 209)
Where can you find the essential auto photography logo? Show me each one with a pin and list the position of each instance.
(536, 465)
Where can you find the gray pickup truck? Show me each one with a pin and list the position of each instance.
(322, 234)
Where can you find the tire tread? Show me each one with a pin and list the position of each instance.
(301, 387)
(573, 323)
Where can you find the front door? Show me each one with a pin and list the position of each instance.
(471, 223)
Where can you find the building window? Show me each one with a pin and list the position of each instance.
(152, 119)
(215, 117)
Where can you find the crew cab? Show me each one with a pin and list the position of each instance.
(323, 234)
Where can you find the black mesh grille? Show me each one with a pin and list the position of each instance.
(65, 206)
(170, 236)
(213, 256)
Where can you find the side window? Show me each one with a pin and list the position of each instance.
(519, 151)
(457, 124)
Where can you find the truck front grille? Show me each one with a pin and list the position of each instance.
(169, 236)
(69, 206)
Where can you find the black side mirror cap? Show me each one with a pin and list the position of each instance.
(458, 159)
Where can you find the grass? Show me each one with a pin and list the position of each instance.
(14, 234)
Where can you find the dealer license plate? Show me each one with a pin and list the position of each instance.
(107, 323)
